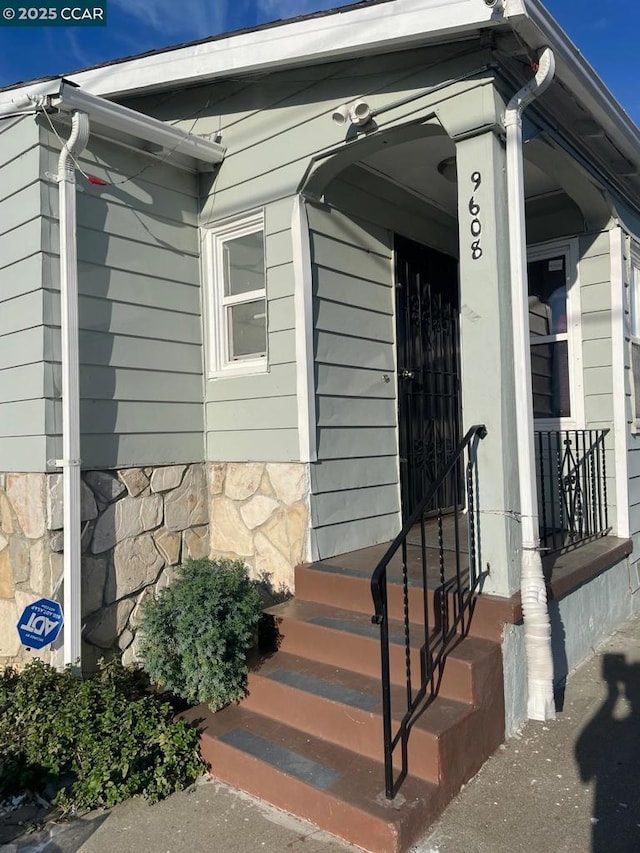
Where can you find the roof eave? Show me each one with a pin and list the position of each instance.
(535, 26)
(346, 32)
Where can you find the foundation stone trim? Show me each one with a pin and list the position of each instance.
(259, 514)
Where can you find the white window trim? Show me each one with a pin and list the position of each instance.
(633, 319)
(570, 249)
(217, 333)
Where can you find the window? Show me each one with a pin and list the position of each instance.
(238, 304)
(634, 330)
(554, 322)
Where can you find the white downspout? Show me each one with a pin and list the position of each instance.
(537, 626)
(70, 462)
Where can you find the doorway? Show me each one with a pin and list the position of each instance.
(428, 357)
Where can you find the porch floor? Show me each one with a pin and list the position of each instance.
(363, 561)
(564, 570)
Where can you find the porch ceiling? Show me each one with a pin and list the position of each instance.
(414, 166)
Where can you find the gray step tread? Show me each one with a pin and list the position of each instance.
(312, 762)
(359, 624)
(357, 692)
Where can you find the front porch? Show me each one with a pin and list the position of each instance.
(309, 736)
(384, 691)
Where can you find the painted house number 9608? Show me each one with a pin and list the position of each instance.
(476, 225)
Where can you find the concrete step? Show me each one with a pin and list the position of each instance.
(348, 640)
(336, 789)
(345, 581)
(345, 708)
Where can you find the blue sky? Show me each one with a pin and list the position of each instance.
(608, 41)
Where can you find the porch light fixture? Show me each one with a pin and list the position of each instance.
(448, 168)
(357, 112)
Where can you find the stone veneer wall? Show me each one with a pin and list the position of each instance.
(28, 568)
(259, 513)
(138, 524)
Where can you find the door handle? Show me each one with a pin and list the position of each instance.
(407, 374)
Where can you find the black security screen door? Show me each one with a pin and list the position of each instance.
(428, 369)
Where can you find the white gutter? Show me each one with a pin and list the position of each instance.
(70, 463)
(121, 124)
(304, 331)
(108, 118)
(537, 626)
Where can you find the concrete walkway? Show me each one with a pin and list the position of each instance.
(570, 786)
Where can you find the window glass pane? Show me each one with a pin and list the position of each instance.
(243, 264)
(247, 324)
(550, 380)
(547, 296)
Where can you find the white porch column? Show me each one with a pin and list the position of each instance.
(488, 390)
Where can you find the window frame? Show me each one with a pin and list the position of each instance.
(573, 335)
(632, 332)
(218, 333)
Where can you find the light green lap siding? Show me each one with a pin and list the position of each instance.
(141, 363)
(242, 445)
(22, 407)
(600, 385)
(22, 276)
(366, 194)
(16, 381)
(355, 489)
(24, 453)
(355, 481)
(271, 127)
(25, 417)
(255, 417)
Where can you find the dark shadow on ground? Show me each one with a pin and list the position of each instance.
(32, 829)
(608, 752)
(559, 652)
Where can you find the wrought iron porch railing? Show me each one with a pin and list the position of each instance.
(572, 487)
(448, 595)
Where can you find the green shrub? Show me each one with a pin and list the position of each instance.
(196, 633)
(102, 740)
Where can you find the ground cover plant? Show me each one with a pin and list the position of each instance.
(97, 741)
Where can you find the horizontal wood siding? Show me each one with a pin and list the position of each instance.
(355, 488)
(355, 481)
(599, 386)
(22, 407)
(141, 364)
(254, 418)
(273, 124)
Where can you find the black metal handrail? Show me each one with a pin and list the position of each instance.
(572, 487)
(457, 589)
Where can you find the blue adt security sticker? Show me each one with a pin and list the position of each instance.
(40, 623)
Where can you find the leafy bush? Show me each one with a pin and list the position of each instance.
(196, 633)
(103, 740)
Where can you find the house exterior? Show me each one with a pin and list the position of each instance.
(248, 332)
